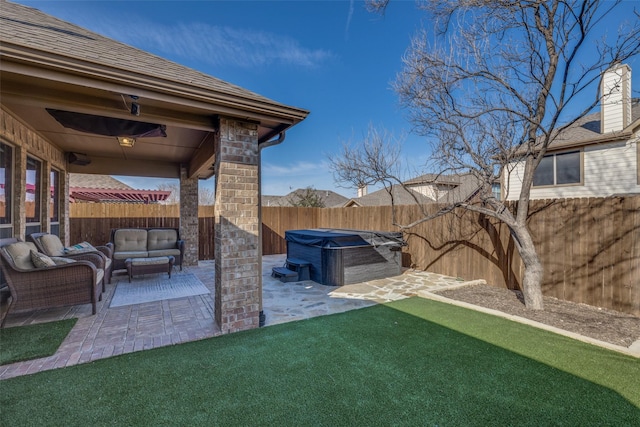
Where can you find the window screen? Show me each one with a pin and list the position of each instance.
(544, 173)
(568, 168)
(559, 169)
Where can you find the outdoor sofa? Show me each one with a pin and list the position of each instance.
(129, 243)
(35, 284)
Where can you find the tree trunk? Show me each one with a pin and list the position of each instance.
(533, 271)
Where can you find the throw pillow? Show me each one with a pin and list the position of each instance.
(61, 260)
(41, 260)
(79, 248)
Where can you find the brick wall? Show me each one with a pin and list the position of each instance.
(189, 216)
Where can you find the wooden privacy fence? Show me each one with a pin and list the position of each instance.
(590, 248)
(92, 222)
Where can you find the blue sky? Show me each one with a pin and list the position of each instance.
(330, 57)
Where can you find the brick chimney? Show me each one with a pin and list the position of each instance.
(615, 90)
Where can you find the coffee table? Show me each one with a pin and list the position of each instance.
(159, 264)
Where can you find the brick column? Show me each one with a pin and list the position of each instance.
(237, 240)
(189, 216)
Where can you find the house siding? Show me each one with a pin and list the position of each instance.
(609, 169)
(431, 191)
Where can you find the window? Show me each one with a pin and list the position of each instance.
(6, 190)
(34, 186)
(54, 210)
(559, 169)
(496, 190)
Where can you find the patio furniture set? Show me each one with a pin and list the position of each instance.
(41, 273)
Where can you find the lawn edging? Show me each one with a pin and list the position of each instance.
(633, 350)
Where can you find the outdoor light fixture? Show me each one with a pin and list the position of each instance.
(126, 141)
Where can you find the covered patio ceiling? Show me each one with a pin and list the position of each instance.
(46, 63)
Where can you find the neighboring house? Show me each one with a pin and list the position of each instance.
(446, 188)
(396, 196)
(106, 189)
(595, 157)
(429, 188)
(329, 198)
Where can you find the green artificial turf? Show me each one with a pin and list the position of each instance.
(413, 362)
(33, 341)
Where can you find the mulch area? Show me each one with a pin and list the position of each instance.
(602, 324)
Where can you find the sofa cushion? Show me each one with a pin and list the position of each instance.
(162, 260)
(41, 260)
(130, 254)
(128, 239)
(52, 245)
(20, 253)
(165, 252)
(162, 239)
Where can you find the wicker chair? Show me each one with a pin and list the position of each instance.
(51, 245)
(48, 287)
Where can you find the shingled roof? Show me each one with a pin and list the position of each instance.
(401, 196)
(587, 130)
(67, 83)
(28, 27)
(328, 197)
(468, 186)
(86, 180)
(461, 188)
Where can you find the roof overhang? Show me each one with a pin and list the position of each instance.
(33, 80)
(610, 137)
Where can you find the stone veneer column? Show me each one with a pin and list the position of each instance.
(189, 216)
(238, 263)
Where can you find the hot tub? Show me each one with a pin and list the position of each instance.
(342, 257)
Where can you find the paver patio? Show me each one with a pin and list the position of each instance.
(119, 330)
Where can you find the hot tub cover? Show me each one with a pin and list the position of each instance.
(337, 238)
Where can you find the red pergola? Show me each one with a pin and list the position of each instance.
(106, 195)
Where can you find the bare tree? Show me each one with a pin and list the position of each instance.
(306, 198)
(174, 197)
(496, 82)
(206, 196)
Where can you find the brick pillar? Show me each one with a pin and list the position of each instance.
(189, 216)
(237, 240)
